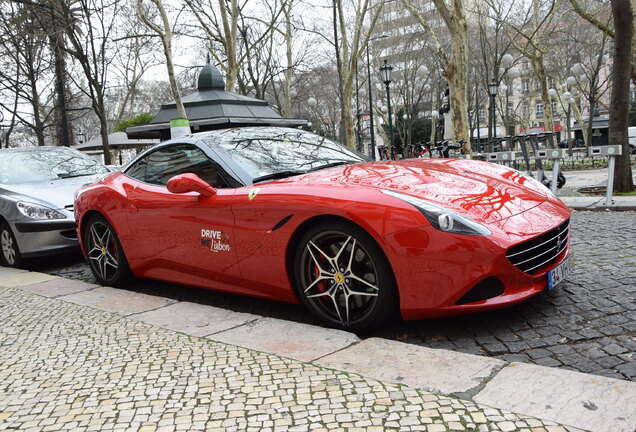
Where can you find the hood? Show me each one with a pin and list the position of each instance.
(58, 193)
(484, 191)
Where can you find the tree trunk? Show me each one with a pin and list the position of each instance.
(456, 75)
(542, 76)
(619, 111)
(287, 109)
(343, 135)
(166, 41)
(590, 121)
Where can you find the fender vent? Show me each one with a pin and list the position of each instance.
(282, 222)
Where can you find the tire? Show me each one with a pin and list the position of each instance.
(10, 255)
(105, 255)
(343, 278)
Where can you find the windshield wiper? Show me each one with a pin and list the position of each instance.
(278, 175)
(329, 165)
(69, 175)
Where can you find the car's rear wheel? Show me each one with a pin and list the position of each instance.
(10, 255)
(343, 277)
(106, 257)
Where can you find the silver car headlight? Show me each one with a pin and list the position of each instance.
(37, 211)
(442, 218)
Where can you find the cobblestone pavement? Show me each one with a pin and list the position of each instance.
(69, 367)
(587, 324)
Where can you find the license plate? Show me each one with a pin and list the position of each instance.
(560, 272)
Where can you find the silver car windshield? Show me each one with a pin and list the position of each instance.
(261, 151)
(24, 166)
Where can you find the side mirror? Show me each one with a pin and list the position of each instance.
(189, 182)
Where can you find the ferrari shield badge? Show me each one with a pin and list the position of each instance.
(253, 193)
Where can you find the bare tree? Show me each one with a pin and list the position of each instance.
(23, 70)
(165, 33)
(455, 70)
(135, 55)
(236, 30)
(90, 26)
(531, 35)
(354, 37)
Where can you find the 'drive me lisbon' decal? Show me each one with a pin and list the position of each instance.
(216, 241)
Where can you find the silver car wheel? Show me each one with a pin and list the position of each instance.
(102, 251)
(8, 247)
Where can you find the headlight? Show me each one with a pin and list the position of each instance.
(36, 211)
(443, 219)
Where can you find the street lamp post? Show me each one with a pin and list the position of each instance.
(386, 72)
(493, 88)
(383, 36)
(358, 114)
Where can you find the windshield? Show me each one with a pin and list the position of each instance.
(263, 151)
(41, 164)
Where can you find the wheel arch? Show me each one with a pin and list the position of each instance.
(81, 224)
(294, 240)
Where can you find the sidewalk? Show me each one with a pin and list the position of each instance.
(586, 178)
(77, 356)
(597, 203)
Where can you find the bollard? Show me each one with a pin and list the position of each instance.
(611, 151)
(555, 155)
(508, 156)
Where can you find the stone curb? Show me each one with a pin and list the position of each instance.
(598, 203)
(576, 399)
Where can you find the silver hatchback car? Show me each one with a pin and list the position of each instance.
(37, 187)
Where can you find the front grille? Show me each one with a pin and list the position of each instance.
(69, 207)
(533, 254)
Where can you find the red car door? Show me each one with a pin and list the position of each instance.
(183, 238)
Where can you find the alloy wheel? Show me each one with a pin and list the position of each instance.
(339, 278)
(102, 251)
(9, 250)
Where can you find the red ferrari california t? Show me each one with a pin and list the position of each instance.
(289, 215)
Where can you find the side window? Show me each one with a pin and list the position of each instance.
(161, 165)
(208, 170)
(166, 163)
(138, 170)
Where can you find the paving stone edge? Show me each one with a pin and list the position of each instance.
(471, 395)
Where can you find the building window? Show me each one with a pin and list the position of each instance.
(538, 109)
(525, 85)
(554, 108)
(510, 109)
(525, 109)
(482, 115)
(525, 65)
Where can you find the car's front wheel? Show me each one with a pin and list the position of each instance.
(106, 257)
(9, 252)
(343, 277)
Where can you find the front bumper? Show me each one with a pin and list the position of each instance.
(42, 237)
(434, 271)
